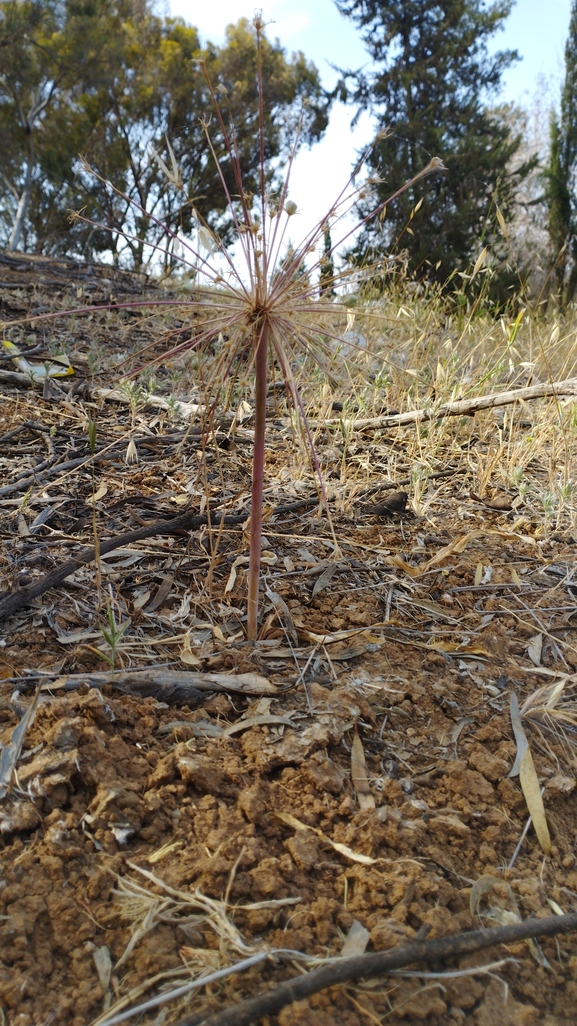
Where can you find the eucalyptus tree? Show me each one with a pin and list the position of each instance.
(51, 53)
(159, 104)
(122, 86)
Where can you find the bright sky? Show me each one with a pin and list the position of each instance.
(536, 28)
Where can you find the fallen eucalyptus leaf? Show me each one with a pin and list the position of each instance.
(534, 799)
(11, 752)
(520, 735)
(284, 615)
(324, 579)
(343, 849)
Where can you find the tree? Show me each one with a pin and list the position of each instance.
(30, 73)
(50, 52)
(432, 78)
(118, 85)
(527, 232)
(160, 105)
(561, 175)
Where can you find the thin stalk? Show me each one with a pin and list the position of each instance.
(209, 270)
(258, 26)
(104, 307)
(260, 364)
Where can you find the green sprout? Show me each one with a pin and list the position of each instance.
(113, 635)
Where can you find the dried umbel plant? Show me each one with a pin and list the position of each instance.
(263, 297)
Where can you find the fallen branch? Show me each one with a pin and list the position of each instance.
(348, 970)
(462, 407)
(22, 351)
(158, 402)
(12, 601)
(49, 468)
(22, 380)
(172, 686)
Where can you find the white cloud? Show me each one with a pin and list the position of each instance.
(321, 173)
(287, 27)
(211, 19)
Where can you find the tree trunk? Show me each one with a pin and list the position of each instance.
(25, 195)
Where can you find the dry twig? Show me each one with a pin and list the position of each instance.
(348, 970)
(464, 407)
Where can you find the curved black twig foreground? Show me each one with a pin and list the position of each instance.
(12, 601)
(348, 970)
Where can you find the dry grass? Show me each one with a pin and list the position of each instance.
(400, 353)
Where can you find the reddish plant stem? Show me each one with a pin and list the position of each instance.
(260, 365)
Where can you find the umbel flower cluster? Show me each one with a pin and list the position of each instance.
(261, 295)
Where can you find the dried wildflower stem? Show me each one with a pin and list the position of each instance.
(259, 310)
(261, 360)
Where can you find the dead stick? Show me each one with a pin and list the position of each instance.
(348, 970)
(11, 601)
(461, 407)
(22, 380)
(50, 469)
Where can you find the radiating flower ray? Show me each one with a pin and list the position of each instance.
(280, 349)
(212, 273)
(311, 340)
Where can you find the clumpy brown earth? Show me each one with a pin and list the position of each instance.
(150, 835)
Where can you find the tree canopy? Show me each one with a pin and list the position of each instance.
(50, 54)
(114, 81)
(430, 86)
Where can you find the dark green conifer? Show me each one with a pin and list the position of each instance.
(430, 83)
(561, 175)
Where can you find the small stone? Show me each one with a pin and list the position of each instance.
(20, 816)
(201, 773)
(450, 825)
(488, 854)
(164, 772)
(467, 782)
